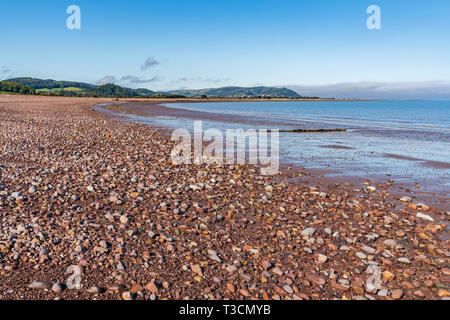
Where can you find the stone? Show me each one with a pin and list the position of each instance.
(388, 275)
(42, 285)
(57, 287)
(390, 243)
(397, 294)
(127, 296)
(321, 258)
(361, 255)
(443, 293)
(425, 217)
(152, 286)
(288, 289)
(404, 260)
(231, 269)
(94, 290)
(308, 232)
(369, 250)
(197, 269)
(231, 287)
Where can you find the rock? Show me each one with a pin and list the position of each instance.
(321, 259)
(123, 219)
(90, 188)
(316, 279)
(443, 293)
(390, 243)
(277, 271)
(308, 232)
(388, 275)
(231, 287)
(57, 287)
(371, 189)
(213, 256)
(361, 255)
(32, 189)
(266, 264)
(383, 293)
(231, 269)
(405, 199)
(116, 287)
(127, 296)
(397, 294)
(94, 290)
(369, 250)
(153, 286)
(16, 195)
(120, 267)
(404, 260)
(425, 217)
(197, 269)
(288, 289)
(41, 285)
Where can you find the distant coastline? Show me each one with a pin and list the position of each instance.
(32, 86)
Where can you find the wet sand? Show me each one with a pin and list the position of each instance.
(78, 188)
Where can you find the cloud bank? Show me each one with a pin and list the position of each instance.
(378, 90)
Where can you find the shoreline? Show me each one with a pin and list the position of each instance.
(437, 198)
(78, 188)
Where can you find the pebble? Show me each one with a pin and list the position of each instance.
(40, 285)
(390, 243)
(94, 290)
(288, 289)
(57, 287)
(397, 294)
(308, 232)
(404, 260)
(111, 200)
(425, 217)
(361, 255)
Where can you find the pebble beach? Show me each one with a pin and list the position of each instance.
(80, 189)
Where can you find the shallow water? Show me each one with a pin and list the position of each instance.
(405, 140)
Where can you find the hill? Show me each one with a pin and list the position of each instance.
(80, 89)
(75, 89)
(241, 92)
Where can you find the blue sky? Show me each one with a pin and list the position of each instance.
(195, 44)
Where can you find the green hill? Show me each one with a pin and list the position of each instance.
(240, 92)
(12, 87)
(80, 89)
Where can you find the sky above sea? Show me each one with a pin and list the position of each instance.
(320, 47)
